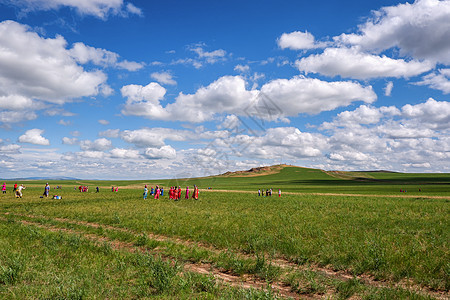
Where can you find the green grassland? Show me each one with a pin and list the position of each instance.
(398, 239)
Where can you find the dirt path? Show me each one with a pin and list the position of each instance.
(285, 264)
(333, 194)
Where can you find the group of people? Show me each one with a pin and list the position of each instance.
(83, 188)
(17, 189)
(268, 192)
(174, 192)
(156, 192)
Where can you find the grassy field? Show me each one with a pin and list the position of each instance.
(312, 242)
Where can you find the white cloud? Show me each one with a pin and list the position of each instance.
(33, 136)
(91, 154)
(97, 8)
(15, 102)
(110, 133)
(388, 88)
(101, 57)
(420, 30)
(312, 96)
(125, 153)
(352, 63)
(64, 123)
(298, 40)
(242, 68)
(133, 9)
(70, 141)
(155, 137)
(103, 122)
(229, 95)
(163, 78)
(210, 57)
(153, 92)
(101, 144)
(432, 114)
(165, 152)
(11, 148)
(438, 81)
(37, 68)
(144, 100)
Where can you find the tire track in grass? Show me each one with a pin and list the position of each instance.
(283, 263)
(246, 282)
(335, 194)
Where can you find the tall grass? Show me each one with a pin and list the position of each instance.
(389, 238)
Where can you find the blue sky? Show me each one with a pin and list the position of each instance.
(114, 89)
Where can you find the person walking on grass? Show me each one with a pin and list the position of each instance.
(145, 192)
(279, 192)
(187, 193)
(15, 188)
(46, 190)
(195, 193)
(19, 191)
(157, 192)
(179, 193)
(4, 188)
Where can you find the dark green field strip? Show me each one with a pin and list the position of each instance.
(392, 238)
(165, 278)
(315, 281)
(293, 179)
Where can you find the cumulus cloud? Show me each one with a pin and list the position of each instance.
(211, 56)
(163, 78)
(390, 137)
(420, 30)
(437, 80)
(101, 57)
(312, 96)
(70, 141)
(229, 95)
(242, 68)
(165, 152)
(388, 88)
(101, 144)
(98, 8)
(298, 40)
(125, 153)
(432, 114)
(8, 149)
(352, 63)
(110, 133)
(34, 136)
(156, 137)
(38, 68)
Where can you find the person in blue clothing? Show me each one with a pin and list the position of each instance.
(47, 190)
(145, 192)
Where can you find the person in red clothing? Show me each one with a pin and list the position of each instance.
(157, 191)
(195, 193)
(187, 193)
(179, 193)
